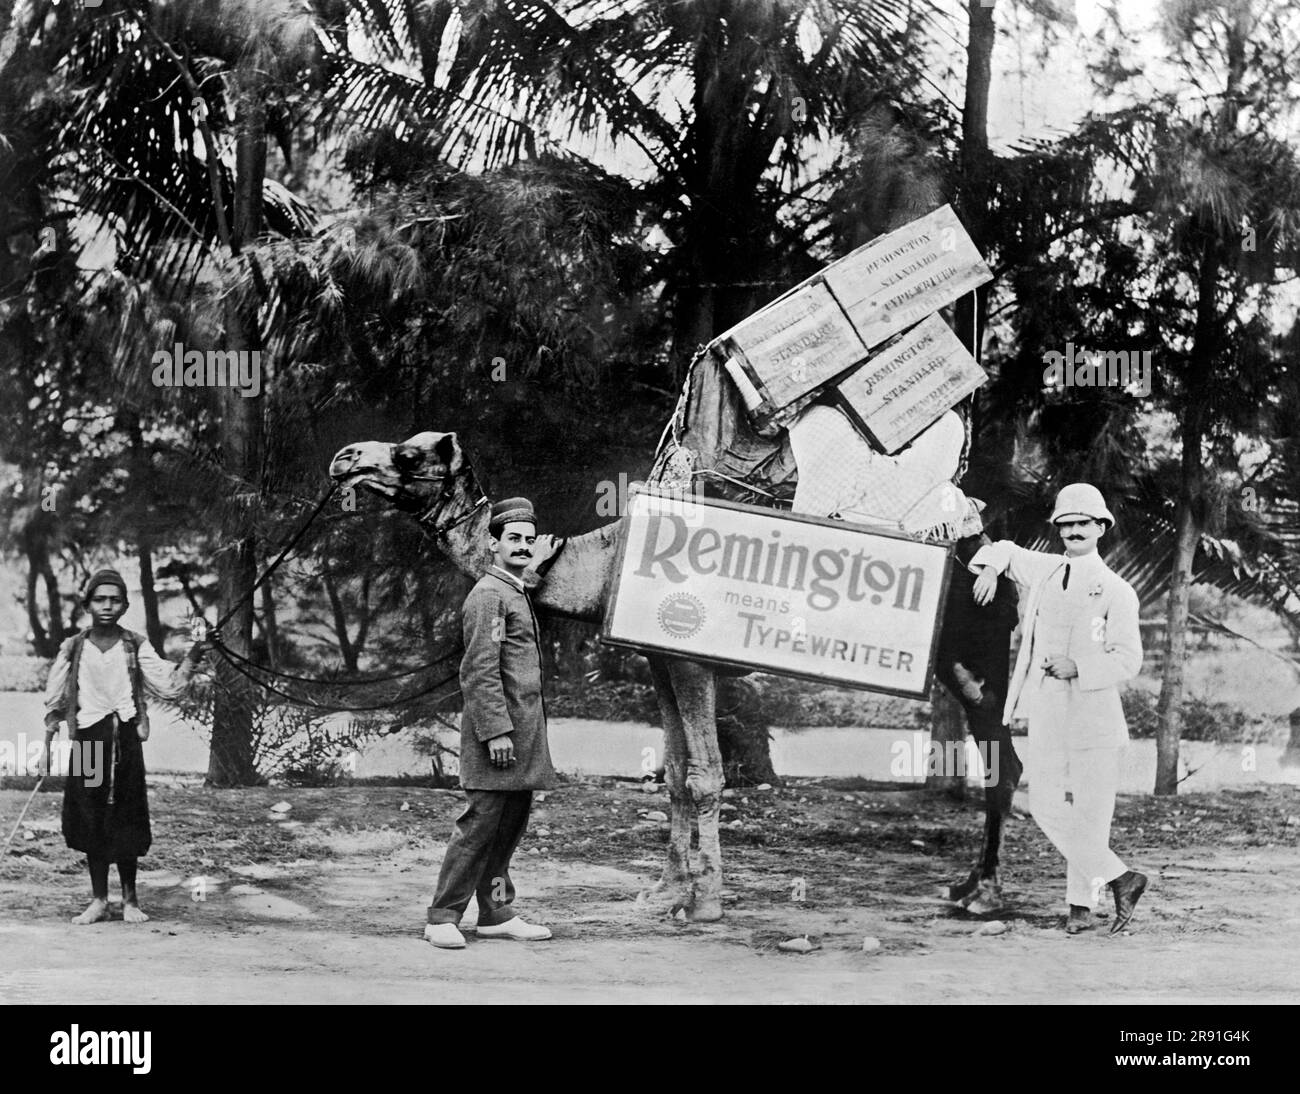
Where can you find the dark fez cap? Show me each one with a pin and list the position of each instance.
(512, 509)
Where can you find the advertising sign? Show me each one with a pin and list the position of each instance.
(888, 284)
(819, 332)
(797, 343)
(744, 586)
(907, 386)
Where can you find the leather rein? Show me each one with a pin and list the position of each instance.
(434, 514)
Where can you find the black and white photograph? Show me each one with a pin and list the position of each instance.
(650, 502)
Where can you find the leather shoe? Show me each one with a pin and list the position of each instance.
(1080, 919)
(1128, 888)
(516, 929)
(446, 936)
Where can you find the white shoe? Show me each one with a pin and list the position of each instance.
(446, 936)
(517, 929)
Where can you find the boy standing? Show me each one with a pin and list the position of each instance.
(98, 685)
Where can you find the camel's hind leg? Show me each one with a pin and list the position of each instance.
(973, 663)
(981, 892)
(694, 687)
(674, 884)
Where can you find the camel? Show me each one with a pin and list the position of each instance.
(429, 476)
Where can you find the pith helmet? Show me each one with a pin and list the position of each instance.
(1081, 499)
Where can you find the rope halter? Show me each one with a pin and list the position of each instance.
(432, 516)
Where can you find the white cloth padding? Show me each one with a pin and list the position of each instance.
(912, 491)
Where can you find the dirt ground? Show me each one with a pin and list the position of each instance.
(325, 903)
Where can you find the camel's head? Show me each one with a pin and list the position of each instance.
(410, 474)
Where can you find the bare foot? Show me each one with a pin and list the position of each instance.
(96, 912)
(131, 913)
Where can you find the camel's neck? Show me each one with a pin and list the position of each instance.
(574, 585)
(466, 544)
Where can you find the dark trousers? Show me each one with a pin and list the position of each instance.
(477, 862)
(105, 802)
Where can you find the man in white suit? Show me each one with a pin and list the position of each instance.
(1080, 641)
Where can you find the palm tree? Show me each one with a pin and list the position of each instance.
(1225, 168)
(730, 114)
(170, 120)
(1160, 262)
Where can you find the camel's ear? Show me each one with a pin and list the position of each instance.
(447, 448)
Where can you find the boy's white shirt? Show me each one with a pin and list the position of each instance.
(104, 684)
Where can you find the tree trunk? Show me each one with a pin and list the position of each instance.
(1169, 709)
(52, 598)
(971, 311)
(562, 652)
(40, 636)
(1291, 755)
(947, 720)
(364, 615)
(270, 626)
(1188, 521)
(230, 762)
(340, 618)
(1198, 394)
(947, 740)
(46, 637)
(975, 157)
(148, 594)
(743, 734)
(137, 517)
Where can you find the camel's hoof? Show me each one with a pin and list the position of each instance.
(706, 911)
(964, 892)
(662, 894)
(986, 900)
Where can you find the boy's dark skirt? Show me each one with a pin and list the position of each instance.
(90, 824)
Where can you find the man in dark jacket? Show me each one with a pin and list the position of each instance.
(504, 755)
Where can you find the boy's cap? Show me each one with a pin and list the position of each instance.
(103, 577)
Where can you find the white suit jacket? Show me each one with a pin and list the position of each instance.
(1103, 639)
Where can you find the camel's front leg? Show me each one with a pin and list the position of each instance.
(674, 885)
(694, 687)
(1002, 768)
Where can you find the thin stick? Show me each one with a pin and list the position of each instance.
(30, 798)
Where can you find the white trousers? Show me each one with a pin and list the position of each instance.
(1072, 797)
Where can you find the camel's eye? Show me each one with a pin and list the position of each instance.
(406, 458)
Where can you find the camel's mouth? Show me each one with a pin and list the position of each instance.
(392, 492)
(375, 486)
(368, 465)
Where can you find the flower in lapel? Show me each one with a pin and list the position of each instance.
(1096, 589)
